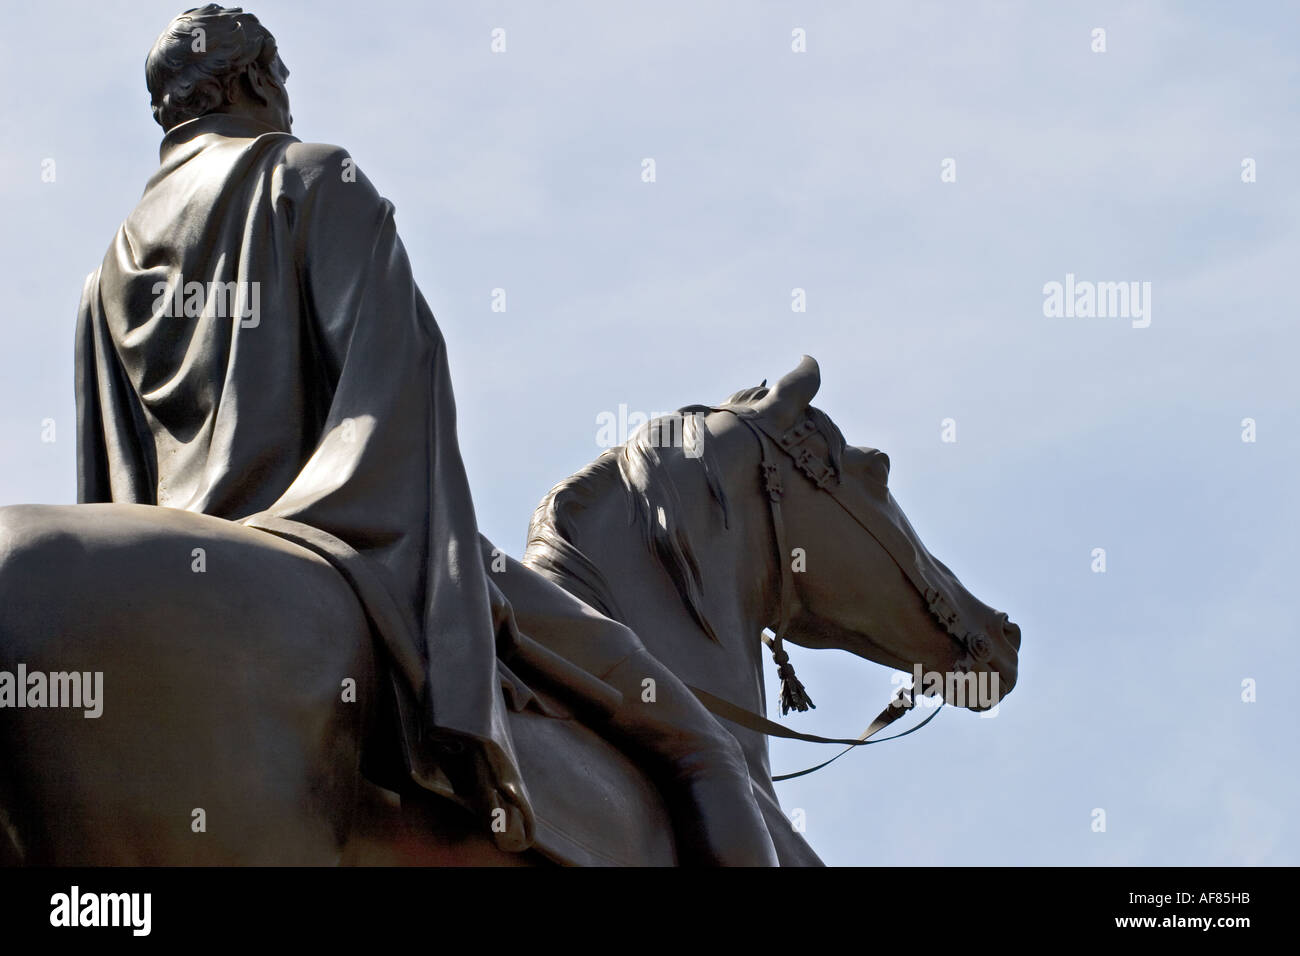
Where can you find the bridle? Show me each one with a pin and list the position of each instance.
(792, 443)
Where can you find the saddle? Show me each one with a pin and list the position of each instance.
(593, 806)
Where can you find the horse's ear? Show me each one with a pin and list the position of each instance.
(789, 398)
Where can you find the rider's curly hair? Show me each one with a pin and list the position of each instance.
(197, 60)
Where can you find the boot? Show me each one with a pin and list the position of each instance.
(488, 788)
(700, 767)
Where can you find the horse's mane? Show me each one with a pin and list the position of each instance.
(639, 471)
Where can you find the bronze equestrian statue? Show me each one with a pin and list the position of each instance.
(306, 644)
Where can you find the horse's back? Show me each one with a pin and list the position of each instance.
(220, 655)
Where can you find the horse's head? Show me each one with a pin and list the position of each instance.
(862, 579)
(851, 572)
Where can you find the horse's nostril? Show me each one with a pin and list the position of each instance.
(1012, 633)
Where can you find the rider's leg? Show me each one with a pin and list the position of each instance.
(709, 792)
(698, 764)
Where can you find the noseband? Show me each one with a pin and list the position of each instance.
(792, 443)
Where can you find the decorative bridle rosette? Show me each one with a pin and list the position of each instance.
(979, 646)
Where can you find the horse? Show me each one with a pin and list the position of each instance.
(223, 738)
(712, 568)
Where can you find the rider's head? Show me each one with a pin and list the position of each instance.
(217, 60)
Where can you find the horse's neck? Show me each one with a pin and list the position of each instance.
(648, 602)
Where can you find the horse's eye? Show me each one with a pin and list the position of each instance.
(874, 464)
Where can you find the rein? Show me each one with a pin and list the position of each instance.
(793, 694)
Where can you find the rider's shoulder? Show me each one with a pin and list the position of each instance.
(307, 157)
(321, 165)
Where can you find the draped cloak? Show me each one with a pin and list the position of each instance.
(313, 403)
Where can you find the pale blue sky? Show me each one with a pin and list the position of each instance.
(821, 170)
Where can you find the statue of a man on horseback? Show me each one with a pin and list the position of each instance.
(254, 348)
(309, 653)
